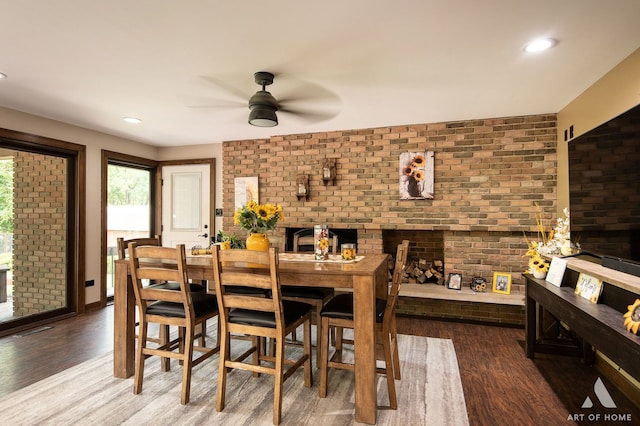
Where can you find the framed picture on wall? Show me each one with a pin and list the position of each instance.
(455, 281)
(502, 282)
(246, 189)
(416, 175)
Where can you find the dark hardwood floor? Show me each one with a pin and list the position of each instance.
(501, 385)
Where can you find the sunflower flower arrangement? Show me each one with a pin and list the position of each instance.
(538, 264)
(258, 218)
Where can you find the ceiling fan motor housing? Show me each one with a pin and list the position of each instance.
(262, 104)
(262, 98)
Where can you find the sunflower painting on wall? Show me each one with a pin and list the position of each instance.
(416, 175)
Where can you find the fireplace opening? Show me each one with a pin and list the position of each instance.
(425, 248)
(344, 236)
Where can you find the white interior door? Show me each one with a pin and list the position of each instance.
(186, 212)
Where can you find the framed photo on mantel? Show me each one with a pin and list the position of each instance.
(455, 281)
(502, 282)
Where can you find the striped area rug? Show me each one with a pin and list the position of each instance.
(430, 393)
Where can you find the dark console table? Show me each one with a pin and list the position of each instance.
(579, 324)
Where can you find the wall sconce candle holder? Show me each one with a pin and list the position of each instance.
(329, 171)
(302, 187)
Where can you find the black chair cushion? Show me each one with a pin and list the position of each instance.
(306, 292)
(341, 306)
(292, 310)
(173, 285)
(203, 303)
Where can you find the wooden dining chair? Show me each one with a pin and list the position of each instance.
(122, 248)
(314, 296)
(338, 313)
(160, 305)
(259, 317)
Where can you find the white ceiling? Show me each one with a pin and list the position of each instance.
(186, 67)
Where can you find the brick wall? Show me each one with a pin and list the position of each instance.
(39, 267)
(489, 177)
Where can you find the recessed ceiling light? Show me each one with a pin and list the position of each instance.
(132, 120)
(2, 76)
(539, 45)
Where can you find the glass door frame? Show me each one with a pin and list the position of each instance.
(125, 160)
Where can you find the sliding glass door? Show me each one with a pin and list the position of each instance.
(37, 233)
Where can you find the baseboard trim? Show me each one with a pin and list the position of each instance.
(93, 306)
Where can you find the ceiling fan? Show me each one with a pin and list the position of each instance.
(263, 105)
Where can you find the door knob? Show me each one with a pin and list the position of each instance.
(205, 235)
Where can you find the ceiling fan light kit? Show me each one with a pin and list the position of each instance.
(262, 104)
(263, 117)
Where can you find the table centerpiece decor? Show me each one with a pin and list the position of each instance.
(258, 219)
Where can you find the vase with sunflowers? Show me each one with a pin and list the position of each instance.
(321, 242)
(257, 219)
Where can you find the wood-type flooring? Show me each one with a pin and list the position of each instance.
(501, 385)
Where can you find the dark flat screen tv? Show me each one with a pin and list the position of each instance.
(604, 188)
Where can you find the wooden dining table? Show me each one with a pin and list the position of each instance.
(367, 277)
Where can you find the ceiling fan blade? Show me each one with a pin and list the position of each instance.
(212, 103)
(230, 88)
(306, 92)
(310, 116)
(215, 103)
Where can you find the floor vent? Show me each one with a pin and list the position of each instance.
(33, 331)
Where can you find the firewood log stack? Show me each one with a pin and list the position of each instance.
(422, 271)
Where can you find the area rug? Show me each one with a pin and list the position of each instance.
(430, 393)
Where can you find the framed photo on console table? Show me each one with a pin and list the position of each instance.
(589, 287)
(556, 271)
(502, 282)
(455, 281)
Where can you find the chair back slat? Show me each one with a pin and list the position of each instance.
(122, 245)
(249, 302)
(161, 294)
(250, 269)
(258, 259)
(398, 273)
(247, 279)
(166, 272)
